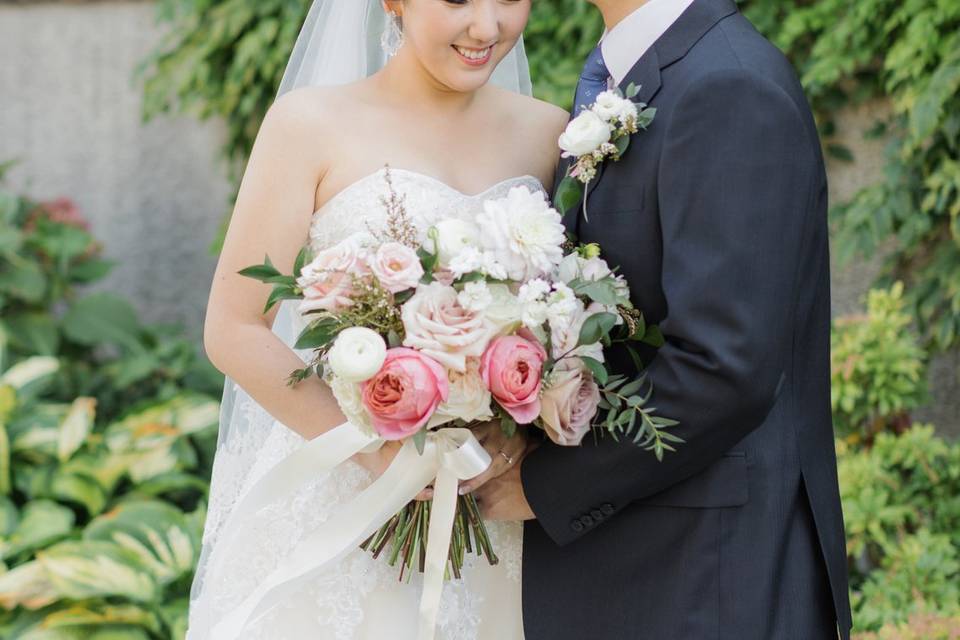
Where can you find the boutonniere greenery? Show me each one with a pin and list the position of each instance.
(601, 132)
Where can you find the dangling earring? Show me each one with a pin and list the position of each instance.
(392, 37)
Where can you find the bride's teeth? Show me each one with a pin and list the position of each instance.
(473, 54)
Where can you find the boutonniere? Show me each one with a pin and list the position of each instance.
(601, 132)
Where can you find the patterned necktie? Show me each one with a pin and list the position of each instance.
(593, 80)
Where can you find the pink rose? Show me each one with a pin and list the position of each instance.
(403, 395)
(397, 267)
(569, 404)
(437, 324)
(327, 281)
(511, 368)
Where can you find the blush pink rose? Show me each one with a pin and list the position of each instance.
(403, 395)
(396, 266)
(327, 281)
(568, 404)
(511, 368)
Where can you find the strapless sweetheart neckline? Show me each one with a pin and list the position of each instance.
(379, 172)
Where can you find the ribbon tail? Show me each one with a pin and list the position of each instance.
(438, 550)
(321, 454)
(350, 525)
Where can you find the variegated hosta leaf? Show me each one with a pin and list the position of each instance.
(75, 427)
(105, 467)
(158, 533)
(5, 461)
(86, 633)
(159, 424)
(37, 430)
(91, 568)
(27, 586)
(42, 522)
(30, 372)
(101, 615)
(9, 517)
(76, 487)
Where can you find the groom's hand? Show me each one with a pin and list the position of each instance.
(502, 498)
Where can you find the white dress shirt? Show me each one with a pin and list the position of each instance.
(630, 38)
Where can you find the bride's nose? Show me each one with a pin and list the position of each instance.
(485, 25)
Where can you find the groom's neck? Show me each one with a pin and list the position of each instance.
(616, 10)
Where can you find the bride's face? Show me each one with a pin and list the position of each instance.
(460, 42)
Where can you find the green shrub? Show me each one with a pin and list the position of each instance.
(901, 504)
(105, 444)
(878, 371)
(918, 627)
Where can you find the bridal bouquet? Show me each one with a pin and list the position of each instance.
(417, 329)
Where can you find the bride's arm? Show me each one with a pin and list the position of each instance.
(272, 217)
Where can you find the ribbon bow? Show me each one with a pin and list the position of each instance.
(449, 455)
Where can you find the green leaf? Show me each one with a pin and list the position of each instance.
(604, 291)
(34, 333)
(303, 257)
(41, 523)
(89, 569)
(653, 336)
(420, 440)
(280, 292)
(632, 91)
(569, 194)
(508, 425)
(595, 327)
(318, 334)
(596, 368)
(262, 272)
(622, 144)
(75, 427)
(102, 318)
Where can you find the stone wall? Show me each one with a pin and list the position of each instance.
(156, 192)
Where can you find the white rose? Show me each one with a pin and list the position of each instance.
(504, 312)
(584, 134)
(349, 396)
(357, 354)
(396, 266)
(452, 236)
(438, 325)
(562, 304)
(574, 266)
(469, 398)
(523, 233)
(608, 105)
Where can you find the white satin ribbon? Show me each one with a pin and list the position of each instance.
(449, 455)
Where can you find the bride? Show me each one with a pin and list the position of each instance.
(429, 98)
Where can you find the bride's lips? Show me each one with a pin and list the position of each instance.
(474, 57)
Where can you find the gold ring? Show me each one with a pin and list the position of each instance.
(506, 457)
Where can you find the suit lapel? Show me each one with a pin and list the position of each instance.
(673, 45)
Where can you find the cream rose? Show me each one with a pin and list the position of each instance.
(437, 324)
(396, 266)
(564, 337)
(357, 354)
(469, 398)
(584, 134)
(608, 105)
(505, 312)
(568, 404)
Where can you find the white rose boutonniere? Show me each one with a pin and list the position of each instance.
(599, 133)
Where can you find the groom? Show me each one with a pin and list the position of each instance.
(717, 216)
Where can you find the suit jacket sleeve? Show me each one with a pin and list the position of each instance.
(737, 178)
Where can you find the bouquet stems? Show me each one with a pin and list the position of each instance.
(406, 536)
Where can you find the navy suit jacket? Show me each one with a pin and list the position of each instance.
(717, 217)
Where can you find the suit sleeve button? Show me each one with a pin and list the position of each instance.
(607, 509)
(577, 526)
(586, 520)
(597, 515)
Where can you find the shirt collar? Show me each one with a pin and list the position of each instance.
(630, 38)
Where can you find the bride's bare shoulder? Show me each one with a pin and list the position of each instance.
(536, 124)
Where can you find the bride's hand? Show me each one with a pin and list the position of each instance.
(378, 461)
(505, 453)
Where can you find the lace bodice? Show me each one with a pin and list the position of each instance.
(359, 207)
(361, 598)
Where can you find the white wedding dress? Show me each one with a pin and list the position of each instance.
(361, 598)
